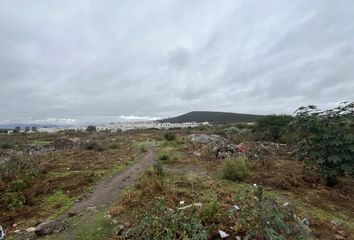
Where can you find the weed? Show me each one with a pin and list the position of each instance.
(92, 146)
(164, 156)
(262, 218)
(13, 200)
(158, 168)
(207, 153)
(235, 169)
(161, 223)
(59, 201)
(95, 228)
(143, 149)
(210, 211)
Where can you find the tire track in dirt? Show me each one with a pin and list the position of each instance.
(106, 191)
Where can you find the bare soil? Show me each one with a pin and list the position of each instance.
(106, 191)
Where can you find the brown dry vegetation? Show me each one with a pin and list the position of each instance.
(71, 171)
(189, 177)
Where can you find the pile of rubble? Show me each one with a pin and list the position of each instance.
(223, 151)
(221, 148)
(207, 139)
(59, 144)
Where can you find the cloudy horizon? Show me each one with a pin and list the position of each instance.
(89, 60)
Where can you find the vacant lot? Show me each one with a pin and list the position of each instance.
(263, 193)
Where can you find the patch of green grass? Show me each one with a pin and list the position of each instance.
(58, 201)
(39, 143)
(235, 169)
(94, 228)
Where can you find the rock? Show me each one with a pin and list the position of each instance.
(306, 221)
(286, 204)
(48, 227)
(236, 208)
(339, 237)
(223, 234)
(71, 214)
(31, 229)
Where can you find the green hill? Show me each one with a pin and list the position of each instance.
(212, 117)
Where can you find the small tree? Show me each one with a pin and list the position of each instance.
(91, 128)
(272, 127)
(326, 139)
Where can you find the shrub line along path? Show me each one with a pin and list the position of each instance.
(107, 190)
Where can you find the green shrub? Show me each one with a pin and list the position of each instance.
(272, 127)
(235, 169)
(91, 129)
(210, 211)
(143, 149)
(164, 156)
(92, 146)
(14, 197)
(13, 200)
(261, 217)
(159, 223)
(169, 136)
(158, 168)
(5, 145)
(17, 165)
(326, 139)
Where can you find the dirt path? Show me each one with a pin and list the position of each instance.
(106, 191)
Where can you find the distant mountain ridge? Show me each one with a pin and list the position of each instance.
(212, 117)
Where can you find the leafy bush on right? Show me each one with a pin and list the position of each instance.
(235, 169)
(325, 139)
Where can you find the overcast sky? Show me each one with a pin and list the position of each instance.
(88, 60)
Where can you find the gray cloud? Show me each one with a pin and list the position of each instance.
(85, 59)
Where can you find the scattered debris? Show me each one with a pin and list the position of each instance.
(306, 221)
(191, 205)
(119, 229)
(236, 208)
(181, 203)
(31, 229)
(2, 233)
(255, 185)
(335, 222)
(223, 234)
(222, 151)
